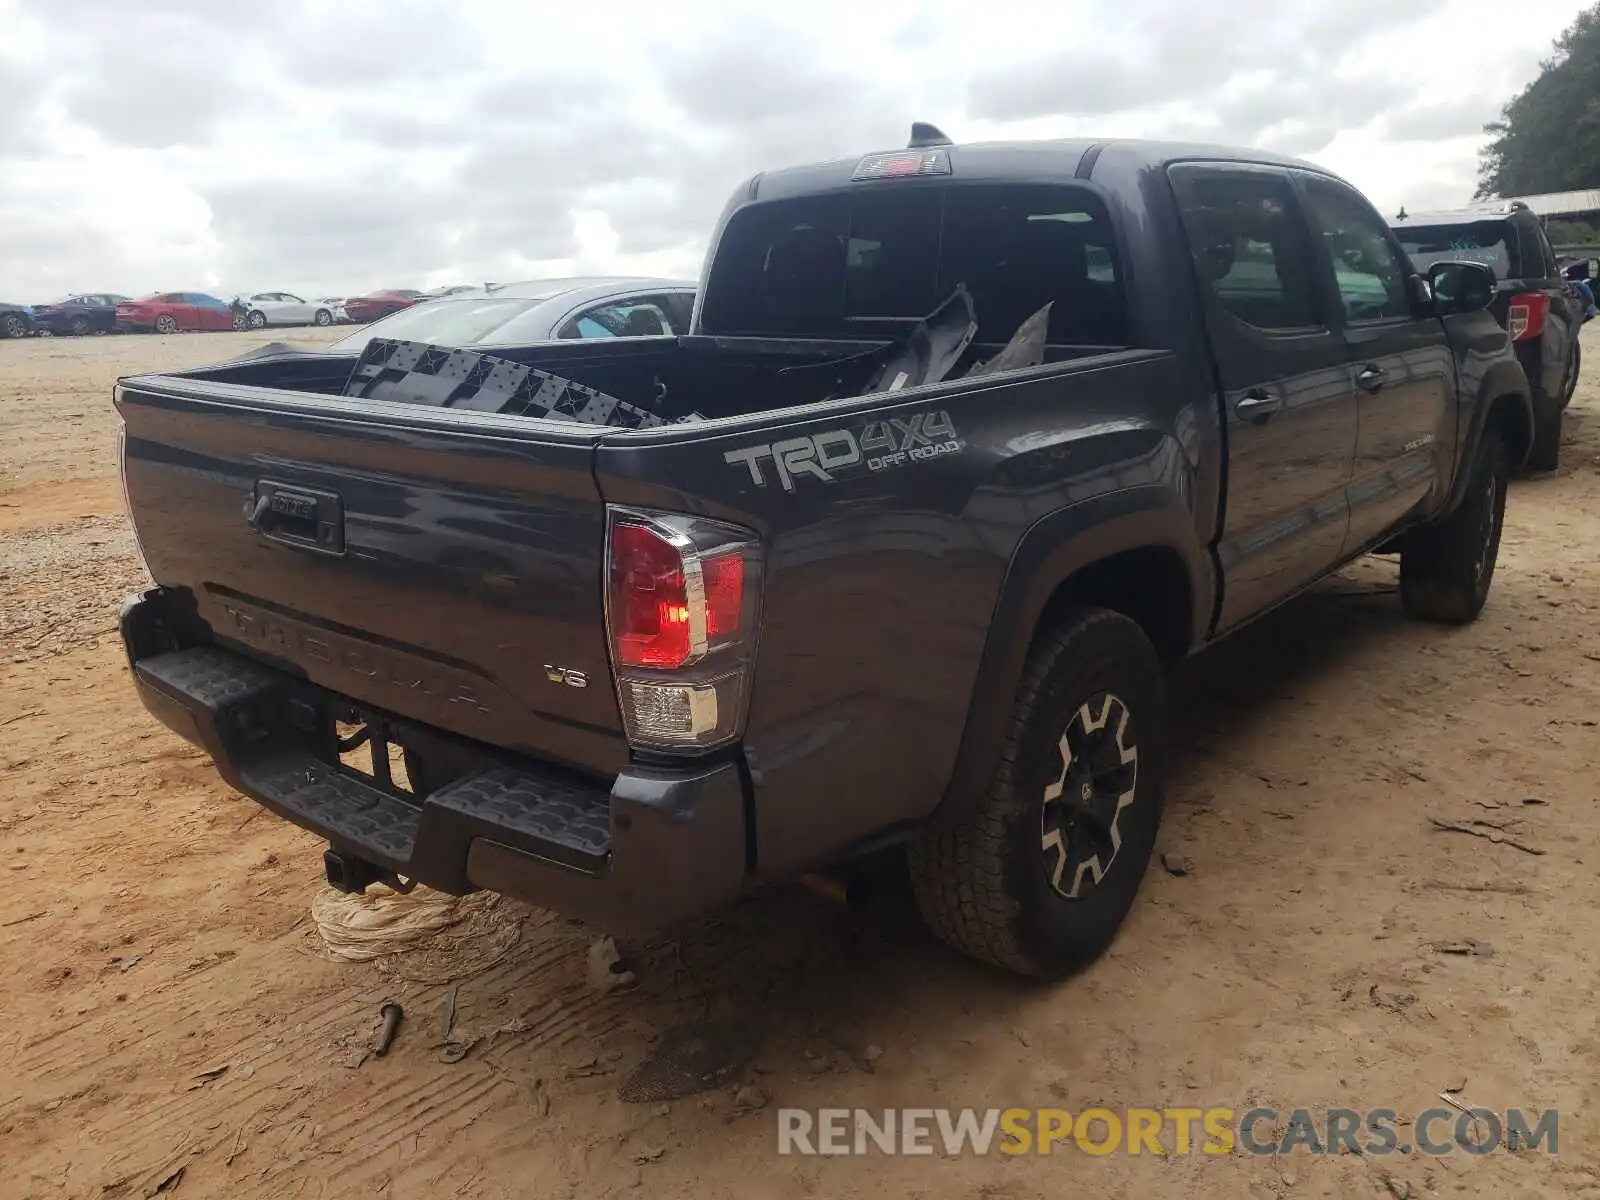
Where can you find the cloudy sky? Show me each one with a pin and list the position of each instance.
(333, 146)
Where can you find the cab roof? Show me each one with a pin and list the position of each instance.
(1021, 161)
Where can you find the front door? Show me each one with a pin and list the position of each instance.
(1400, 363)
(1289, 408)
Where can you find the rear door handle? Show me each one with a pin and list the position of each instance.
(1371, 378)
(1257, 406)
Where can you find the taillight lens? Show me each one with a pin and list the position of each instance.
(649, 599)
(1526, 315)
(681, 611)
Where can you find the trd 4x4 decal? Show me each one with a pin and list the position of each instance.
(878, 446)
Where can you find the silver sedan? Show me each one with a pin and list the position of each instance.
(539, 310)
(282, 308)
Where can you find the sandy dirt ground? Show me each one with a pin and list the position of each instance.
(173, 1025)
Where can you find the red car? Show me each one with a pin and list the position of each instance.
(368, 308)
(168, 312)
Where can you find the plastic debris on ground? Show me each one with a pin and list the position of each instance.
(607, 971)
(380, 922)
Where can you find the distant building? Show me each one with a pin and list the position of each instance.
(1573, 205)
(1572, 219)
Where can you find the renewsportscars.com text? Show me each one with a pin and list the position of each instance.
(1161, 1131)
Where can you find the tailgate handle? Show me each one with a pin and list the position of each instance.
(305, 518)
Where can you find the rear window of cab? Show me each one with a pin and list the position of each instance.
(869, 262)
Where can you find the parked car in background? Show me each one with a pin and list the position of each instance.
(539, 310)
(335, 305)
(171, 312)
(373, 305)
(1541, 309)
(453, 290)
(16, 320)
(79, 314)
(283, 308)
(1582, 273)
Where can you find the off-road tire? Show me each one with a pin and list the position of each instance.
(984, 885)
(1446, 569)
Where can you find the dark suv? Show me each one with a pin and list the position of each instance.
(1541, 310)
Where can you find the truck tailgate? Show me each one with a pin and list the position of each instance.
(435, 564)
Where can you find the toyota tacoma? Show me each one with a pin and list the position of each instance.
(964, 445)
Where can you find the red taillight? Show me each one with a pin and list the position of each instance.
(1526, 316)
(665, 611)
(682, 625)
(724, 584)
(649, 599)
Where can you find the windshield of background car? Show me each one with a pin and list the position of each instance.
(1480, 242)
(867, 262)
(444, 322)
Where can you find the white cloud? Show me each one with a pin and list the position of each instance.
(372, 143)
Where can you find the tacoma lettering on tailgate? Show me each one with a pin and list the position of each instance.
(300, 644)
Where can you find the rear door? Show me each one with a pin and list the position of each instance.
(1401, 364)
(186, 310)
(1290, 409)
(215, 315)
(292, 310)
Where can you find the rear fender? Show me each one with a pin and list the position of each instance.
(1504, 380)
(1053, 551)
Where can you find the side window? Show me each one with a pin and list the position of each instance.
(645, 317)
(1249, 248)
(680, 307)
(1368, 270)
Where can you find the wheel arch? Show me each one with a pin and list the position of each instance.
(1505, 403)
(1133, 552)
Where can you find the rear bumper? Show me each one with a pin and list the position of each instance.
(656, 848)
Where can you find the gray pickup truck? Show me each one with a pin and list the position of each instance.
(963, 446)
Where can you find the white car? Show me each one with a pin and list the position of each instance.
(335, 305)
(282, 308)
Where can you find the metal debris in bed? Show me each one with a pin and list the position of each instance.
(417, 373)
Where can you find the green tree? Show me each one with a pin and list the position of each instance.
(1548, 137)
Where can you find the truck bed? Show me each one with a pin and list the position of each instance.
(710, 377)
(472, 545)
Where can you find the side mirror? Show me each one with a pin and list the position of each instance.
(1460, 287)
